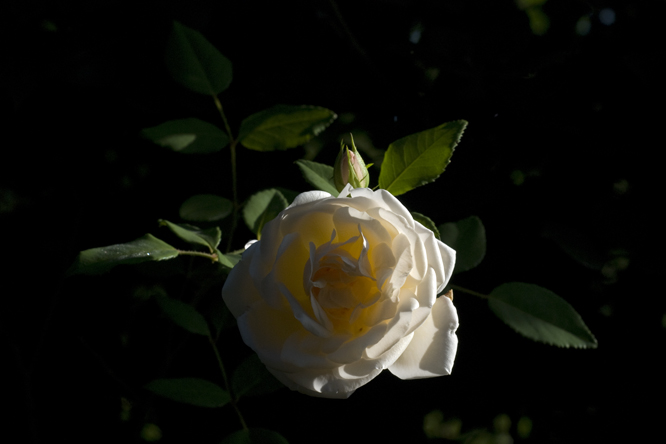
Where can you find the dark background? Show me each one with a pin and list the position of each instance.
(561, 160)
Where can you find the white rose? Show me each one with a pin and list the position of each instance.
(340, 288)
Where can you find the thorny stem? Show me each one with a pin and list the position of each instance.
(232, 148)
(212, 256)
(465, 290)
(226, 382)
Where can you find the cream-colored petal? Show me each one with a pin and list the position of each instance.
(433, 347)
(426, 295)
(397, 329)
(353, 350)
(303, 350)
(310, 324)
(309, 196)
(265, 331)
(239, 292)
(441, 257)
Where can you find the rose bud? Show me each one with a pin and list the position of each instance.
(350, 168)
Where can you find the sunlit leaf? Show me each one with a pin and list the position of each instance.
(195, 63)
(184, 315)
(541, 315)
(262, 208)
(100, 260)
(254, 436)
(468, 238)
(420, 158)
(252, 378)
(193, 391)
(187, 136)
(318, 175)
(209, 238)
(426, 222)
(284, 126)
(205, 208)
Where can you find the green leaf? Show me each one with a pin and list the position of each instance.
(187, 136)
(227, 260)
(426, 222)
(234, 258)
(254, 436)
(318, 175)
(195, 63)
(101, 260)
(468, 238)
(262, 208)
(541, 315)
(284, 126)
(420, 158)
(251, 378)
(205, 208)
(219, 317)
(209, 238)
(184, 315)
(193, 391)
(288, 194)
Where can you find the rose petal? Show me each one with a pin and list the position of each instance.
(302, 316)
(265, 330)
(433, 347)
(309, 196)
(239, 292)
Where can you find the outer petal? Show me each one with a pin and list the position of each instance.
(433, 348)
(239, 292)
(309, 196)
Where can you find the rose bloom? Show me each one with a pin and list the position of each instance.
(340, 288)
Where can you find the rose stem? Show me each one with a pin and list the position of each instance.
(212, 256)
(465, 290)
(232, 148)
(226, 382)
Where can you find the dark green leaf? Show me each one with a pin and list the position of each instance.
(219, 317)
(205, 208)
(226, 259)
(251, 378)
(184, 315)
(193, 391)
(468, 238)
(209, 238)
(420, 158)
(426, 222)
(195, 63)
(255, 436)
(284, 126)
(234, 258)
(541, 315)
(318, 175)
(100, 260)
(288, 194)
(262, 208)
(187, 136)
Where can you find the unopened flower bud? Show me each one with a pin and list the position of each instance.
(350, 168)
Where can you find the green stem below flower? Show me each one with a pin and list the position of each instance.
(465, 290)
(226, 383)
(212, 256)
(234, 181)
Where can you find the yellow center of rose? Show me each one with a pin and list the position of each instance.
(343, 284)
